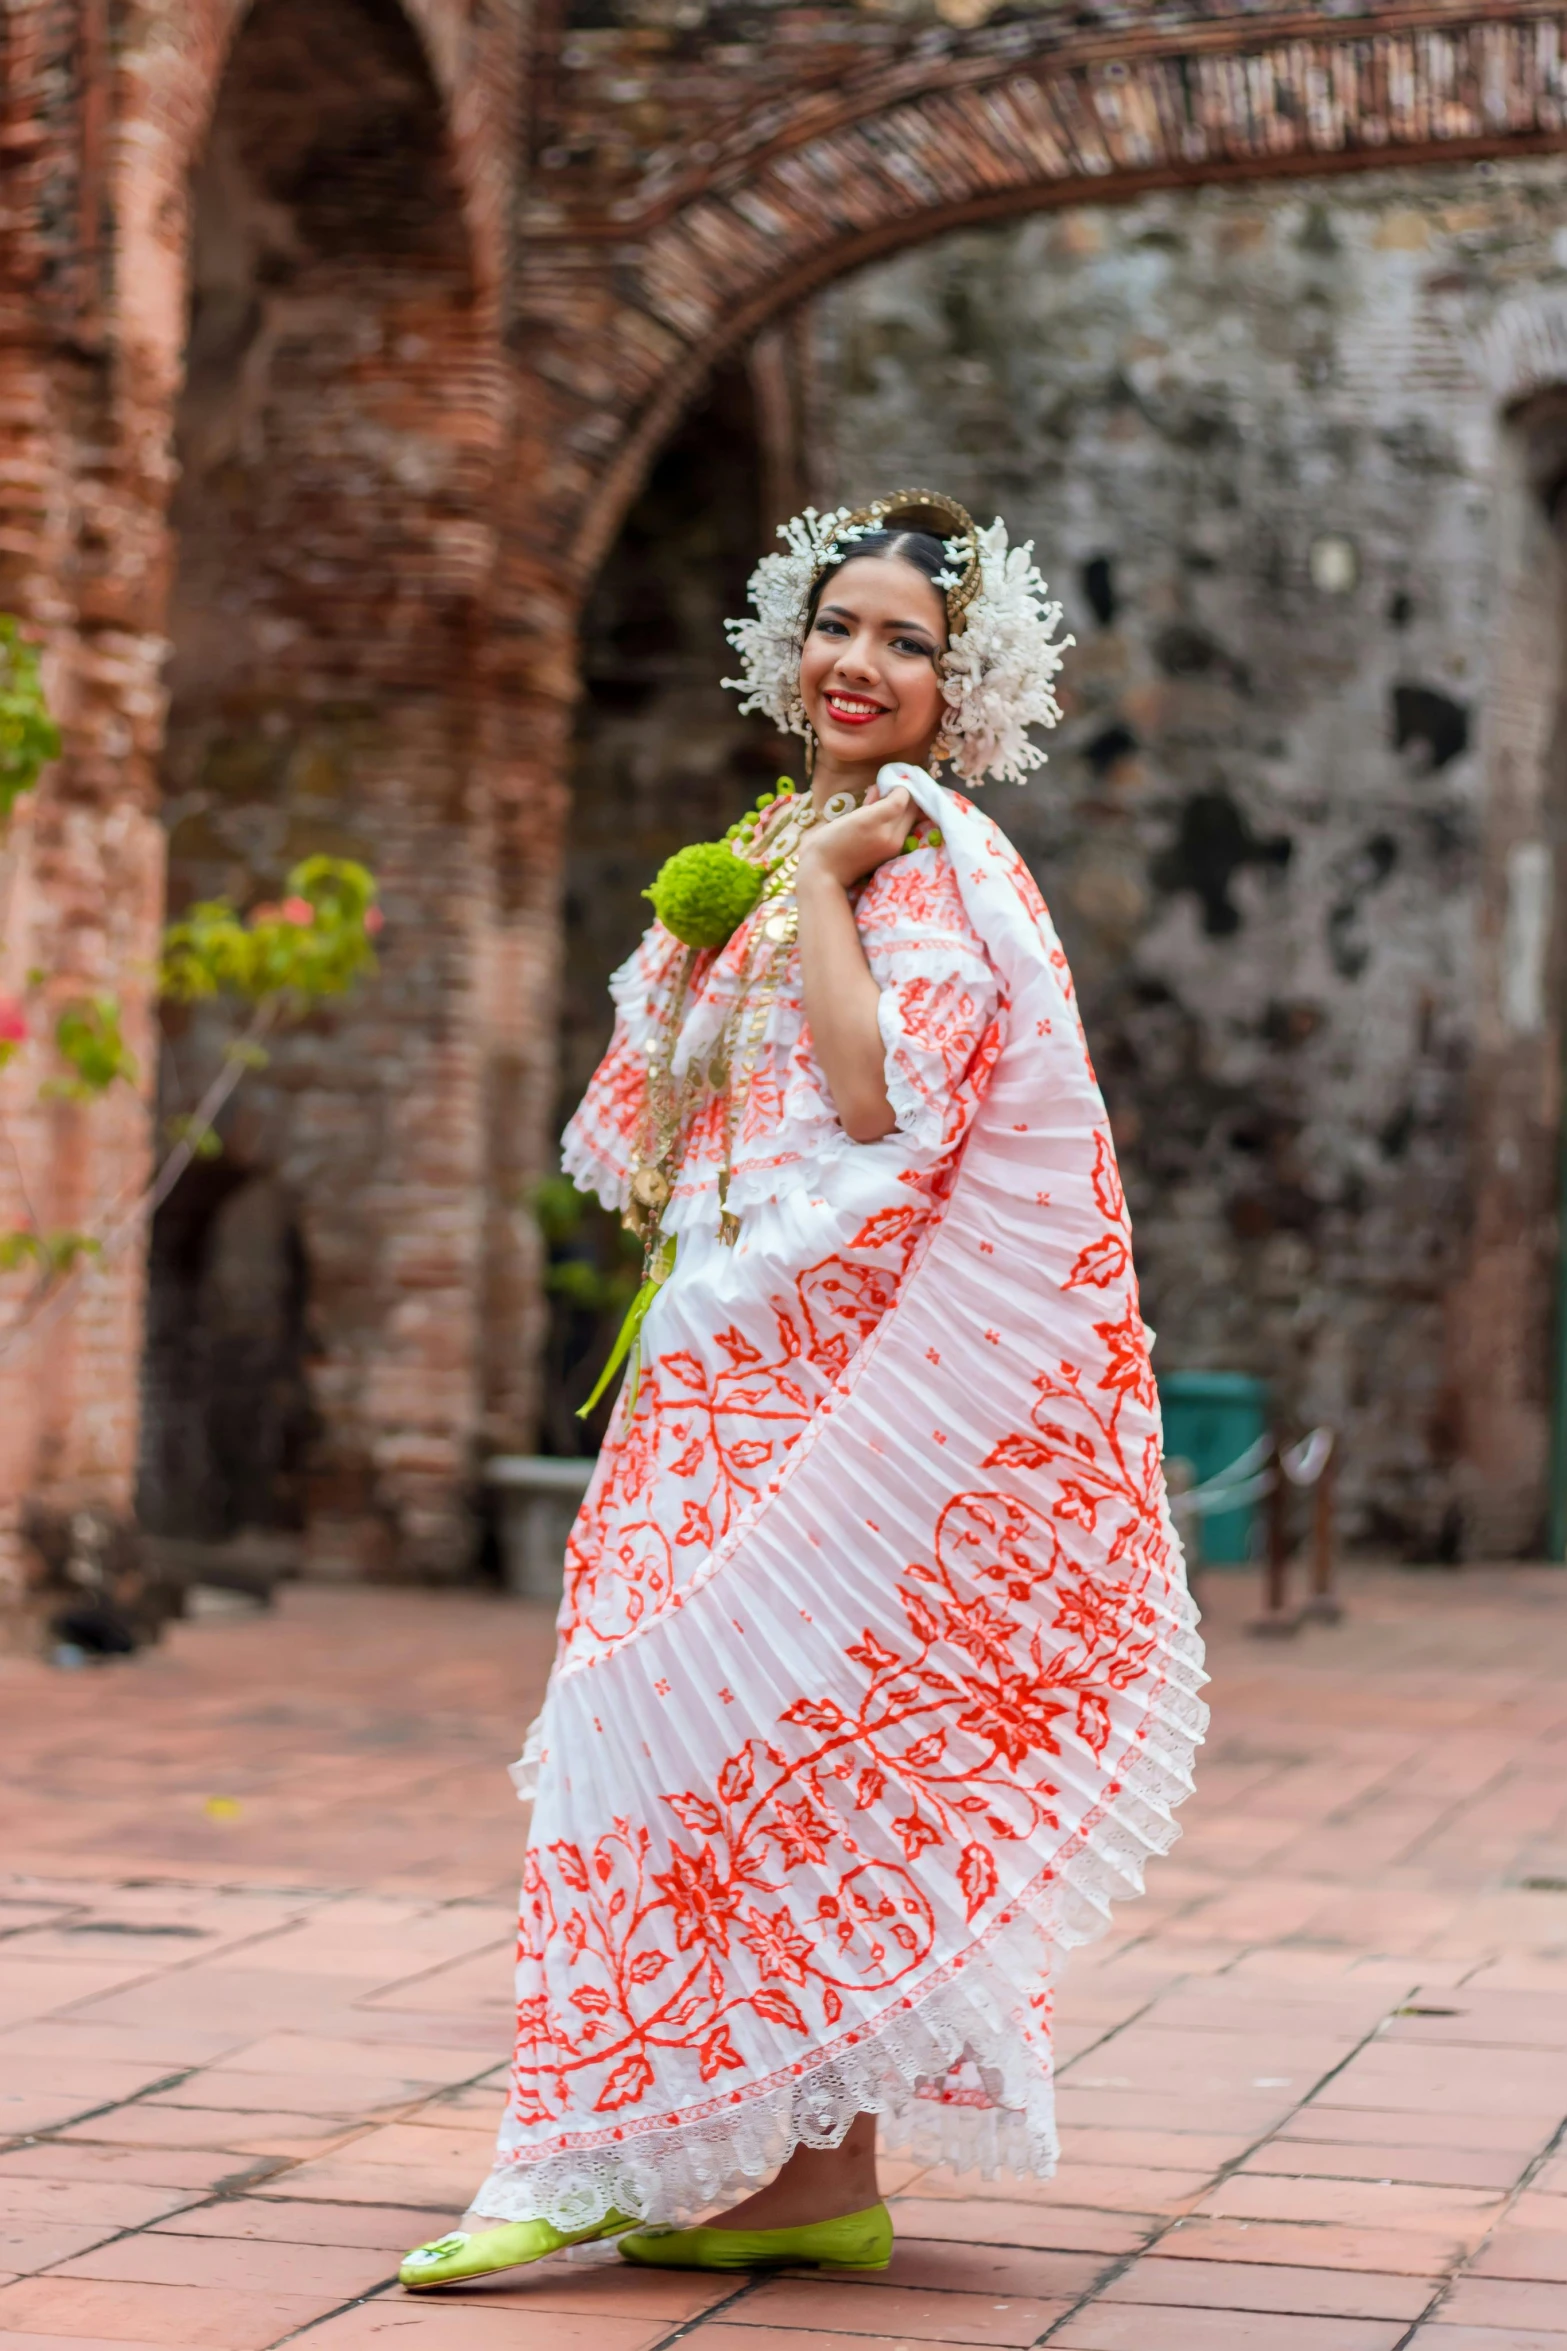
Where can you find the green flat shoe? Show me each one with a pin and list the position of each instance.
(858, 2240)
(476, 2253)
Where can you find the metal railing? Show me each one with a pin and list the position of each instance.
(1266, 1471)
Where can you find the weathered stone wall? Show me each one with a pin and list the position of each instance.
(1255, 439)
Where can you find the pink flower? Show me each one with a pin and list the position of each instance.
(375, 921)
(299, 912)
(13, 1021)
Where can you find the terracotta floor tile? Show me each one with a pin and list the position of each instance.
(1438, 2337)
(389, 2228)
(373, 2050)
(207, 2319)
(1047, 2228)
(39, 1987)
(1461, 2214)
(116, 2207)
(1143, 2150)
(401, 2323)
(1352, 2126)
(1402, 2078)
(150, 2123)
(957, 2266)
(1502, 2302)
(1433, 2165)
(166, 2048)
(326, 2274)
(1110, 2327)
(339, 2179)
(92, 2164)
(1079, 2187)
(324, 2096)
(29, 2342)
(1396, 2252)
(1476, 2018)
(1521, 2253)
(1541, 2207)
(732, 2332)
(1262, 2286)
(1247, 2118)
(337, 1973)
(30, 2245)
(1108, 2187)
(562, 2288)
(896, 2313)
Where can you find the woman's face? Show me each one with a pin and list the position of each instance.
(868, 674)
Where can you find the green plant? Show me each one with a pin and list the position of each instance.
(569, 1222)
(29, 738)
(278, 959)
(593, 1274)
(313, 942)
(88, 1039)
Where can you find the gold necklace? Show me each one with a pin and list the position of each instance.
(732, 1066)
(667, 1102)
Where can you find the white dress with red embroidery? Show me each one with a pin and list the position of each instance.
(877, 1676)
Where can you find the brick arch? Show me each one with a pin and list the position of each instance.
(205, 38)
(1523, 350)
(989, 129)
(168, 78)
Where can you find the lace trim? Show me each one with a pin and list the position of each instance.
(922, 1121)
(961, 2076)
(524, 1773)
(592, 1170)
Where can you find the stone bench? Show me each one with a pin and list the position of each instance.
(539, 1496)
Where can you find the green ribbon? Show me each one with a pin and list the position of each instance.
(660, 1266)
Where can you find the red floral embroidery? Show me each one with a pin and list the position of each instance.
(810, 1866)
(948, 1753)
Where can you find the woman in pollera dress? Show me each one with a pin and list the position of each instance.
(877, 1678)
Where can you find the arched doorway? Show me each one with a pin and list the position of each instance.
(331, 543)
(660, 757)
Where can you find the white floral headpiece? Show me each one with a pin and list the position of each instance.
(998, 671)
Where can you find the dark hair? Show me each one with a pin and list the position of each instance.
(927, 554)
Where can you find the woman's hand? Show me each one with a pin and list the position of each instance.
(840, 994)
(854, 845)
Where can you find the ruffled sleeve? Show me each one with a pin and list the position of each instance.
(940, 1003)
(597, 1146)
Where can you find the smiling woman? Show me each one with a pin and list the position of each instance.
(877, 1678)
(878, 627)
(872, 694)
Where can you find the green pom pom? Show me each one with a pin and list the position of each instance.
(704, 893)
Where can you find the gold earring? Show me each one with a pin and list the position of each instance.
(810, 751)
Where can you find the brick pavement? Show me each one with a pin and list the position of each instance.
(253, 2010)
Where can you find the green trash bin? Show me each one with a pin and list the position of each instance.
(1210, 1417)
